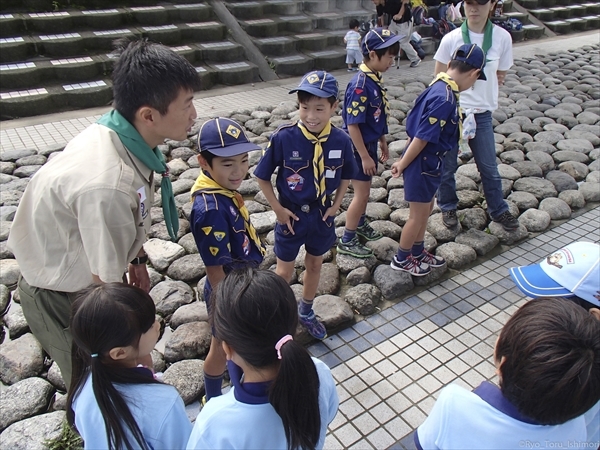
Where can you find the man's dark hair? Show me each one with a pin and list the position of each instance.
(149, 74)
(354, 24)
(461, 66)
(393, 49)
(305, 97)
(551, 367)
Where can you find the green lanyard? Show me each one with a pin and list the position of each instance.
(487, 35)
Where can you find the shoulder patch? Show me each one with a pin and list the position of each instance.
(432, 120)
(214, 250)
(206, 230)
(219, 235)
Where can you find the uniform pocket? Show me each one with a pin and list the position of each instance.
(431, 166)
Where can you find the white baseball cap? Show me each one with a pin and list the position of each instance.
(571, 271)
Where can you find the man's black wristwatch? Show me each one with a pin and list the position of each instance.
(139, 260)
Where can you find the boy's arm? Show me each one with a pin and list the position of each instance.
(385, 152)
(337, 200)
(284, 215)
(215, 275)
(368, 165)
(415, 147)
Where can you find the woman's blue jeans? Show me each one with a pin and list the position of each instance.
(484, 151)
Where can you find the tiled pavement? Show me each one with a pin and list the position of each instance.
(391, 366)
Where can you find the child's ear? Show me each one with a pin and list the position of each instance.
(227, 349)
(335, 105)
(119, 353)
(595, 312)
(373, 55)
(203, 162)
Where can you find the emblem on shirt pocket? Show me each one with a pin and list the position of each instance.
(246, 245)
(377, 114)
(219, 235)
(213, 250)
(295, 182)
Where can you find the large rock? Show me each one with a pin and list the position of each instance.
(194, 312)
(393, 284)
(55, 377)
(387, 228)
(384, 249)
(469, 171)
(543, 160)
(508, 237)
(378, 211)
(528, 169)
(263, 222)
(169, 295)
(438, 230)
(524, 200)
(535, 220)
(20, 359)
(159, 230)
(562, 181)
(15, 321)
(456, 255)
(478, 240)
(539, 187)
(590, 191)
(348, 263)
(188, 341)
(396, 199)
(472, 218)
(187, 268)
(32, 433)
(576, 169)
(9, 272)
(468, 199)
(575, 145)
(187, 377)
(573, 198)
(363, 298)
(557, 209)
(508, 172)
(4, 298)
(329, 281)
(24, 399)
(162, 253)
(333, 311)
(359, 276)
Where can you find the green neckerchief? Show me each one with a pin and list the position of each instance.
(487, 35)
(152, 158)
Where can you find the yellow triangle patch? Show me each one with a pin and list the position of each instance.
(349, 110)
(206, 230)
(214, 250)
(362, 108)
(442, 123)
(363, 99)
(432, 120)
(219, 235)
(355, 113)
(355, 104)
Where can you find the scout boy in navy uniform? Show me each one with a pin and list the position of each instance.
(220, 222)
(365, 114)
(313, 159)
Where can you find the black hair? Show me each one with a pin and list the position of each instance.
(461, 66)
(149, 74)
(253, 310)
(353, 24)
(104, 317)
(208, 156)
(393, 49)
(551, 367)
(305, 97)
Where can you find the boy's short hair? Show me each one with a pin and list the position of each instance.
(149, 74)
(305, 97)
(551, 367)
(354, 24)
(317, 83)
(394, 49)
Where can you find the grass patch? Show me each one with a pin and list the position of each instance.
(68, 440)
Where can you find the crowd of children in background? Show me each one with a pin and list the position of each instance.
(547, 355)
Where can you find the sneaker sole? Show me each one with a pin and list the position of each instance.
(435, 265)
(349, 253)
(400, 269)
(368, 238)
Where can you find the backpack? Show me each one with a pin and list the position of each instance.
(365, 27)
(417, 46)
(418, 15)
(441, 28)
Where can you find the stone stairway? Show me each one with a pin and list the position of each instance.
(564, 16)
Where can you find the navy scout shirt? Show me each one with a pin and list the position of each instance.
(289, 150)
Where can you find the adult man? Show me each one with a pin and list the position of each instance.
(400, 23)
(86, 213)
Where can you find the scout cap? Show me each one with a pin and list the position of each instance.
(379, 38)
(224, 137)
(319, 83)
(472, 55)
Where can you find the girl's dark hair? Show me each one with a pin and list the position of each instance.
(304, 97)
(253, 309)
(149, 74)
(393, 49)
(551, 370)
(104, 317)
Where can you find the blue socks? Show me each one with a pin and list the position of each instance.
(418, 248)
(402, 254)
(348, 235)
(305, 307)
(212, 385)
(361, 221)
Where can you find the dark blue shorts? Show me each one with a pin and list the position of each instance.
(422, 178)
(372, 149)
(317, 236)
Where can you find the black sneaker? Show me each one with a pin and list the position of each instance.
(449, 218)
(354, 248)
(411, 265)
(415, 63)
(368, 233)
(508, 221)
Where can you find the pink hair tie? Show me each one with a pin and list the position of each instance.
(280, 342)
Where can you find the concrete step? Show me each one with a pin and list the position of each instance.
(11, 25)
(543, 14)
(577, 23)
(523, 17)
(276, 46)
(517, 35)
(559, 26)
(577, 10)
(230, 74)
(533, 31)
(266, 27)
(296, 64)
(593, 22)
(547, 3)
(592, 8)
(329, 59)
(561, 12)
(529, 4)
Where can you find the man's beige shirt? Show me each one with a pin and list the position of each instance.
(86, 211)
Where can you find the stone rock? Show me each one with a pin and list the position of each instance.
(15, 321)
(363, 298)
(539, 187)
(508, 237)
(463, 183)
(384, 249)
(169, 295)
(329, 281)
(187, 268)
(562, 181)
(4, 298)
(576, 169)
(566, 156)
(575, 145)
(24, 399)
(580, 134)
(188, 243)
(472, 218)
(508, 128)
(438, 230)
(387, 228)
(159, 230)
(377, 194)
(378, 211)
(162, 253)
(469, 171)
(396, 199)
(358, 276)
(520, 137)
(155, 277)
(158, 361)
(177, 167)
(393, 284)
(263, 222)
(456, 255)
(32, 433)
(543, 160)
(557, 209)
(540, 147)
(187, 377)
(468, 199)
(535, 220)
(573, 198)
(15, 154)
(590, 191)
(189, 341)
(348, 263)
(9, 272)
(508, 172)
(400, 216)
(548, 137)
(194, 312)
(20, 359)
(7, 212)
(332, 311)
(512, 156)
(480, 241)
(524, 200)
(528, 169)
(55, 377)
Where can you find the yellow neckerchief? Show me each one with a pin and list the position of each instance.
(207, 185)
(450, 82)
(318, 157)
(377, 78)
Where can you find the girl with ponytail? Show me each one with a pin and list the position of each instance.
(113, 401)
(281, 397)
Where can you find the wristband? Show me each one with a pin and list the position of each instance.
(139, 260)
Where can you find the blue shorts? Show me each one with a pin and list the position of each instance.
(316, 235)
(422, 177)
(360, 174)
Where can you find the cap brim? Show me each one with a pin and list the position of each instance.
(232, 150)
(314, 91)
(482, 76)
(534, 282)
(391, 41)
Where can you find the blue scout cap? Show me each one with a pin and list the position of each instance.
(319, 83)
(379, 38)
(224, 137)
(472, 55)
